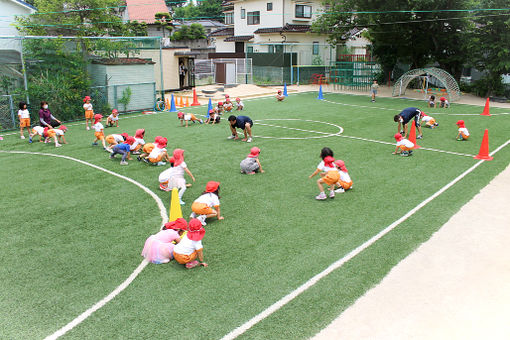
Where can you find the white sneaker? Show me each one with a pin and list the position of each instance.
(192, 215)
(231, 137)
(22, 137)
(182, 202)
(202, 218)
(123, 163)
(249, 140)
(109, 149)
(331, 194)
(322, 196)
(161, 163)
(58, 145)
(88, 128)
(340, 190)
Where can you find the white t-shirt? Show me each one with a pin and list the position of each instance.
(38, 129)
(209, 198)
(426, 119)
(464, 131)
(405, 142)
(166, 175)
(240, 104)
(23, 114)
(58, 132)
(112, 117)
(156, 152)
(187, 246)
(179, 169)
(344, 176)
(87, 107)
(187, 117)
(323, 167)
(138, 141)
(118, 138)
(98, 127)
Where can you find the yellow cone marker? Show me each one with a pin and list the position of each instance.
(175, 206)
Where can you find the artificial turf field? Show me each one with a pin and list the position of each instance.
(71, 234)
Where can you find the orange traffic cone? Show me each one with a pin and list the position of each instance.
(195, 99)
(486, 109)
(187, 102)
(412, 135)
(180, 103)
(167, 104)
(484, 148)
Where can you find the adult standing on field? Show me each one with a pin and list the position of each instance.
(46, 119)
(241, 122)
(405, 117)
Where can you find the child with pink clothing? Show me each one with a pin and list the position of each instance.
(159, 247)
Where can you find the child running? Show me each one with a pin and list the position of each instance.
(124, 150)
(429, 121)
(328, 173)
(345, 181)
(174, 177)
(89, 112)
(187, 117)
(24, 119)
(404, 147)
(463, 132)
(190, 247)
(208, 204)
(251, 164)
(99, 133)
(113, 119)
(279, 96)
(159, 155)
(239, 104)
(159, 248)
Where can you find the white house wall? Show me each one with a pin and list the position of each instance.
(8, 10)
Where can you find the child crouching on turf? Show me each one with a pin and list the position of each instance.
(443, 103)
(404, 147)
(147, 149)
(228, 106)
(203, 205)
(239, 104)
(56, 134)
(429, 121)
(251, 164)
(328, 172)
(115, 139)
(345, 181)
(139, 142)
(159, 155)
(36, 131)
(159, 248)
(113, 119)
(124, 150)
(463, 132)
(187, 117)
(279, 96)
(99, 130)
(190, 247)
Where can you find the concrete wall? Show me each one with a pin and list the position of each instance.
(170, 67)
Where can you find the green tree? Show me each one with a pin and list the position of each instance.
(164, 19)
(210, 9)
(191, 32)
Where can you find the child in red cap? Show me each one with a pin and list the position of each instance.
(159, 248)
(328, 172)
(208, 204)
(99, 128)
(251, 164)
(279, 96)
(345, 181)
(174, 176)
(239, 104)
(89, 112)
(404, 147)
(123, 149)
(463, 132)
(187, 117)
(228, 106)
(56, 134)
(139, 142)
(190, 247)
(115, 139)
(215, 113)
(113, 119)
(147, 149)
(430, 122)
(159, 155)
(443, 103)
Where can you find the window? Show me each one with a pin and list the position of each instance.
(275, 48)
(303, 11)
(229, 18)
(249, 49)
(270, 49)
(243, 13)
(315, 49)
(254, 18)
(269, 6)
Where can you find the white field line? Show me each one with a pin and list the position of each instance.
(339, 263)
(134, 274)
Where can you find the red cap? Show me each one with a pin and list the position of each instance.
(162, 142)
(139, 133)
(443, 99)
(156, 140)
(460, 123)
(398, 137)
(178, 224)
(328, 161)
(86, 98)
(211, 111)
(212, 186)
(63, 127)
(279, 91)
(97, 118)
(254, 152)
(178, 156)
(238, 99)
(172, 160)
(180, 114)
(125, 135)
(195, 230)
(341, 165)
(130, 140)
(227, 96)
(115, 111)
(220, 103)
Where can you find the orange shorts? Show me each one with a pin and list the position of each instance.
(156, 160)
(331, 177)
(431, 122)
(464, 136)
(99, 135)
(201, 208)
(183, 259)
(24, 122)
(404, 148)
(138, 147)
(147, 148)
(89, 114)
(345, 185)
(51, 133)
(110, 140)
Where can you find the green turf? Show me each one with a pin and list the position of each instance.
(75, 233)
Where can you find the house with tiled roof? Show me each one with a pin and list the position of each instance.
(145, 11)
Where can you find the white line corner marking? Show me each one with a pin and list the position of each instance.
(164, 217)
(339, 263)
